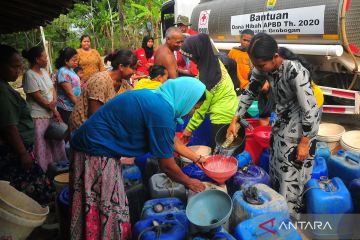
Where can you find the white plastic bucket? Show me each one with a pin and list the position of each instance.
(330, 132)
(350, 141)
(198, 149)
(19, 214)
(15, 227)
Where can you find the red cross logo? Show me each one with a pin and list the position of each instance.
(204, 18)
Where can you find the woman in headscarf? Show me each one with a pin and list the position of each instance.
(221, 101)
(145, 55)
(131, 124)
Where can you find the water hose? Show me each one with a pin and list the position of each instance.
(156, 227)
(346, 44)
(169, 185)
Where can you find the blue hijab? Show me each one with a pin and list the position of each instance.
(182, 94)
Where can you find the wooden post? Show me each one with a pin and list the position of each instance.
(122, 22)
(46, 47)
(111, 27)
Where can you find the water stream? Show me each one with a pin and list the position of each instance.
(229, 151)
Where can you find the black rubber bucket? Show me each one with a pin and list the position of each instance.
(236, 147)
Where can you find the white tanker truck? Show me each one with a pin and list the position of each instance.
(325, 32)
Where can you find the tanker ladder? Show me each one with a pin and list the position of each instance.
(342, 93)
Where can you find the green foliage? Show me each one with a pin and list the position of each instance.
(21, 40)
(98, 18)
(146, 11)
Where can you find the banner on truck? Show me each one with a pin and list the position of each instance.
(306, 20)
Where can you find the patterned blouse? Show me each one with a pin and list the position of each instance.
(99, 87)
(67, 75)
(293, 95)
(90, 62)
(125, 86)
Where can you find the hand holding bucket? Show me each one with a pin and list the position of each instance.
(220, 168)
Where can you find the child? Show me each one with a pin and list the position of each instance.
(80, 72)
(241, 57)
(158, 75)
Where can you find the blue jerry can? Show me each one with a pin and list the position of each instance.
(131, 175)
(172, 227)
(194, 171)
(222, 236)
(345, 165)
(264, 160)
(214, 234)
(327, 196)
(322, 150)
(162, 206)
(320, 168)
(267, 226)
(246, 177)
(244, 159)
(141, 162)
(257, 200)
(354, 188)
(217, 233)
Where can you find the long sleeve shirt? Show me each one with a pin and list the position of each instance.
(220, 103)
(293, 94)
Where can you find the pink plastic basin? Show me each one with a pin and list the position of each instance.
(220, 168)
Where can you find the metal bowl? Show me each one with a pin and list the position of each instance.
(56, 131)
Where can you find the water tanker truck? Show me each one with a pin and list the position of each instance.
(325, 32)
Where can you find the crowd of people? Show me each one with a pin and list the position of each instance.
(112, 114)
